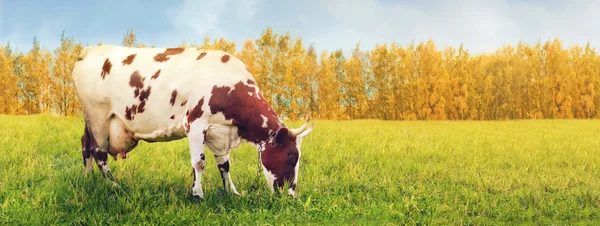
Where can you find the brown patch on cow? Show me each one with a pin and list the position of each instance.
(172, 117)
(183, 103)
(79, 58)
(106, 68)
(155, 76)
(162, 57)
(246, 114)
(145, 94)
(196, 113)
(173, 97)
(141, 107)
(86, 144)
(251, 82)
(130, 112)
(224, 167)
(201, 55)
(101, 157)
(136, 80)
(225, 58)
(187, 113)
(129, 59)
(244, 110)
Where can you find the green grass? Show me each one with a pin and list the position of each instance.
(352, 172)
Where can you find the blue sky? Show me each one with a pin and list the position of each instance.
(482, 25)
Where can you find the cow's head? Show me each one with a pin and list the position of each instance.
(281, 157)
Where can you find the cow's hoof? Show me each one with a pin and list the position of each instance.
(198, 194)
(194, 197)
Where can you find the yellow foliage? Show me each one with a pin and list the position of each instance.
(417, 81)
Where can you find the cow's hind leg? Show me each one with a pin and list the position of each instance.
(196, 143)
(223, 165)
(98, 128)
(85, 150)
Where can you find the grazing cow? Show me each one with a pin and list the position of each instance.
(165, 94)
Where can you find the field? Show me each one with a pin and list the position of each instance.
(352, 172)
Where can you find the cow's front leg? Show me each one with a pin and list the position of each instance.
(196, 142)
(223, 165)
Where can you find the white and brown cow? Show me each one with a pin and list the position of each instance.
(165, 94)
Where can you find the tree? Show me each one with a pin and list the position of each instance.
(65, 99)
(308, 81)
(35, 79)
(381, 61)
(293, 81)
(328, 95)
(218, 44)
(129, 38)
(8, 82)
(248, 55)
(265, 55)
(355, 96)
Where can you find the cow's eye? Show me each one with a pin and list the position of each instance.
(292, 157)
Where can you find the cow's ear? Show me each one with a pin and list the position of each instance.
(282, 135)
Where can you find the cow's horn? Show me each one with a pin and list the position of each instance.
(297, 131)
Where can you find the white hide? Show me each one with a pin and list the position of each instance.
(193, 79)
(270, 177)
(221, 139)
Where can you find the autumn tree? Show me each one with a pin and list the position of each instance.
(380, 58)
(294, 84)
(129, 38)
(65, 99)
(265, 55)
(248, 55)
(218, 44)
(8, 82)
(355, 96)
(586, 72)
(307, 79)
(35, 79)
(328, 87)
(417, 81)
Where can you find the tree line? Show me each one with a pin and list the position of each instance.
(416, 81)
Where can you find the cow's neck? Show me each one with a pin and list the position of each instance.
(256, 129)
(247, 109)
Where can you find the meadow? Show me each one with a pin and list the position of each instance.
(364, 172)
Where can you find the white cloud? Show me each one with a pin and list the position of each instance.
(331, 24)
(479, 25)
(210, 17)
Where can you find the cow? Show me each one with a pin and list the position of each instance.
(164, 94)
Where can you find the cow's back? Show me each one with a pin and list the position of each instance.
(150, 89)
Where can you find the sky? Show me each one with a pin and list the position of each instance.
(480, 25)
